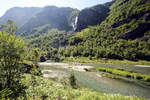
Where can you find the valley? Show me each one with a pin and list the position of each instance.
(101, 52)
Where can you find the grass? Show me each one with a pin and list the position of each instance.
(103, 60)
(125, 73)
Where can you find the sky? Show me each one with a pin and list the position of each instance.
(79, 4)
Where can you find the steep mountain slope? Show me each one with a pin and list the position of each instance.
(129, 19)
(91, 16)
(19, 15)
(124, 34)
(63, 18)
(56, 17)
(33, 17)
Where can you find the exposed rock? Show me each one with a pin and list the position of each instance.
(19, 15)
(91, 16)
(56, 17)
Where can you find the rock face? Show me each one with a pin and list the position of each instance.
(56, 17)
(19, 15)
(63, 18)
(91, 16)
(33, 17)
(73, 19)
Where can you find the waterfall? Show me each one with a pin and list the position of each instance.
(74, 23)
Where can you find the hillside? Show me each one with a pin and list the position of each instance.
(129, 19)
(19, 15)
(56, 17)
(53, 38)
(29, 18)
(91, 16)
(124, 34)
(122, 30)
(61, 18)
(61, 53)
(77, 20)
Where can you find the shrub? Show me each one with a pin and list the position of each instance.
(42, 59)
(72, 80)
(5, 93)
(86, 69)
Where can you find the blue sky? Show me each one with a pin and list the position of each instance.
(80, 4)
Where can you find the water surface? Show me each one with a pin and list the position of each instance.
(92, 80)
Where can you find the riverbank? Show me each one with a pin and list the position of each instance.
(103, 60)
(125, 73)
(72, 66)
(48, 89)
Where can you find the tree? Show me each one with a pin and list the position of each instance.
(10, 27)
(12, 51)
(42, 59)
(36, 56)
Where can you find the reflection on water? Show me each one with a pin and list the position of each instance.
(108, 85)
(92, 81)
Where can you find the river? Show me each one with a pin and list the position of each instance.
(94, 80)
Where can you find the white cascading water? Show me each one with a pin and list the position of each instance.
(74, 24)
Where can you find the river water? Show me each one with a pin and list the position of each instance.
(94, 81)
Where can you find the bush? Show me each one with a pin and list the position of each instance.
(5, 93)
(72, 80)
(42, 59)
(86, 69)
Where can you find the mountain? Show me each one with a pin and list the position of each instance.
(54, 16)
(19, 15)
(124, 34)
(118, 30)
(29, 18)
(61, 18)
(91, 16)
(128, 19)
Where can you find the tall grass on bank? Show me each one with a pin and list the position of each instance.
(125, 73)
(104, 60)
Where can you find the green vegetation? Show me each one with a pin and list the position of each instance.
(105, 46)
(49, 40)
(12, 50)
(103, 60)
(47, 89)
(73, 14)
(124, 34)
(12, 62)
(120, 36)
(72, 80)
(125, 73)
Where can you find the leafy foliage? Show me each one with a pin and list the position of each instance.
(53, 38)
(112, 38)
(12, 65)
(43, 88)
(12, 51)
(72, 80)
